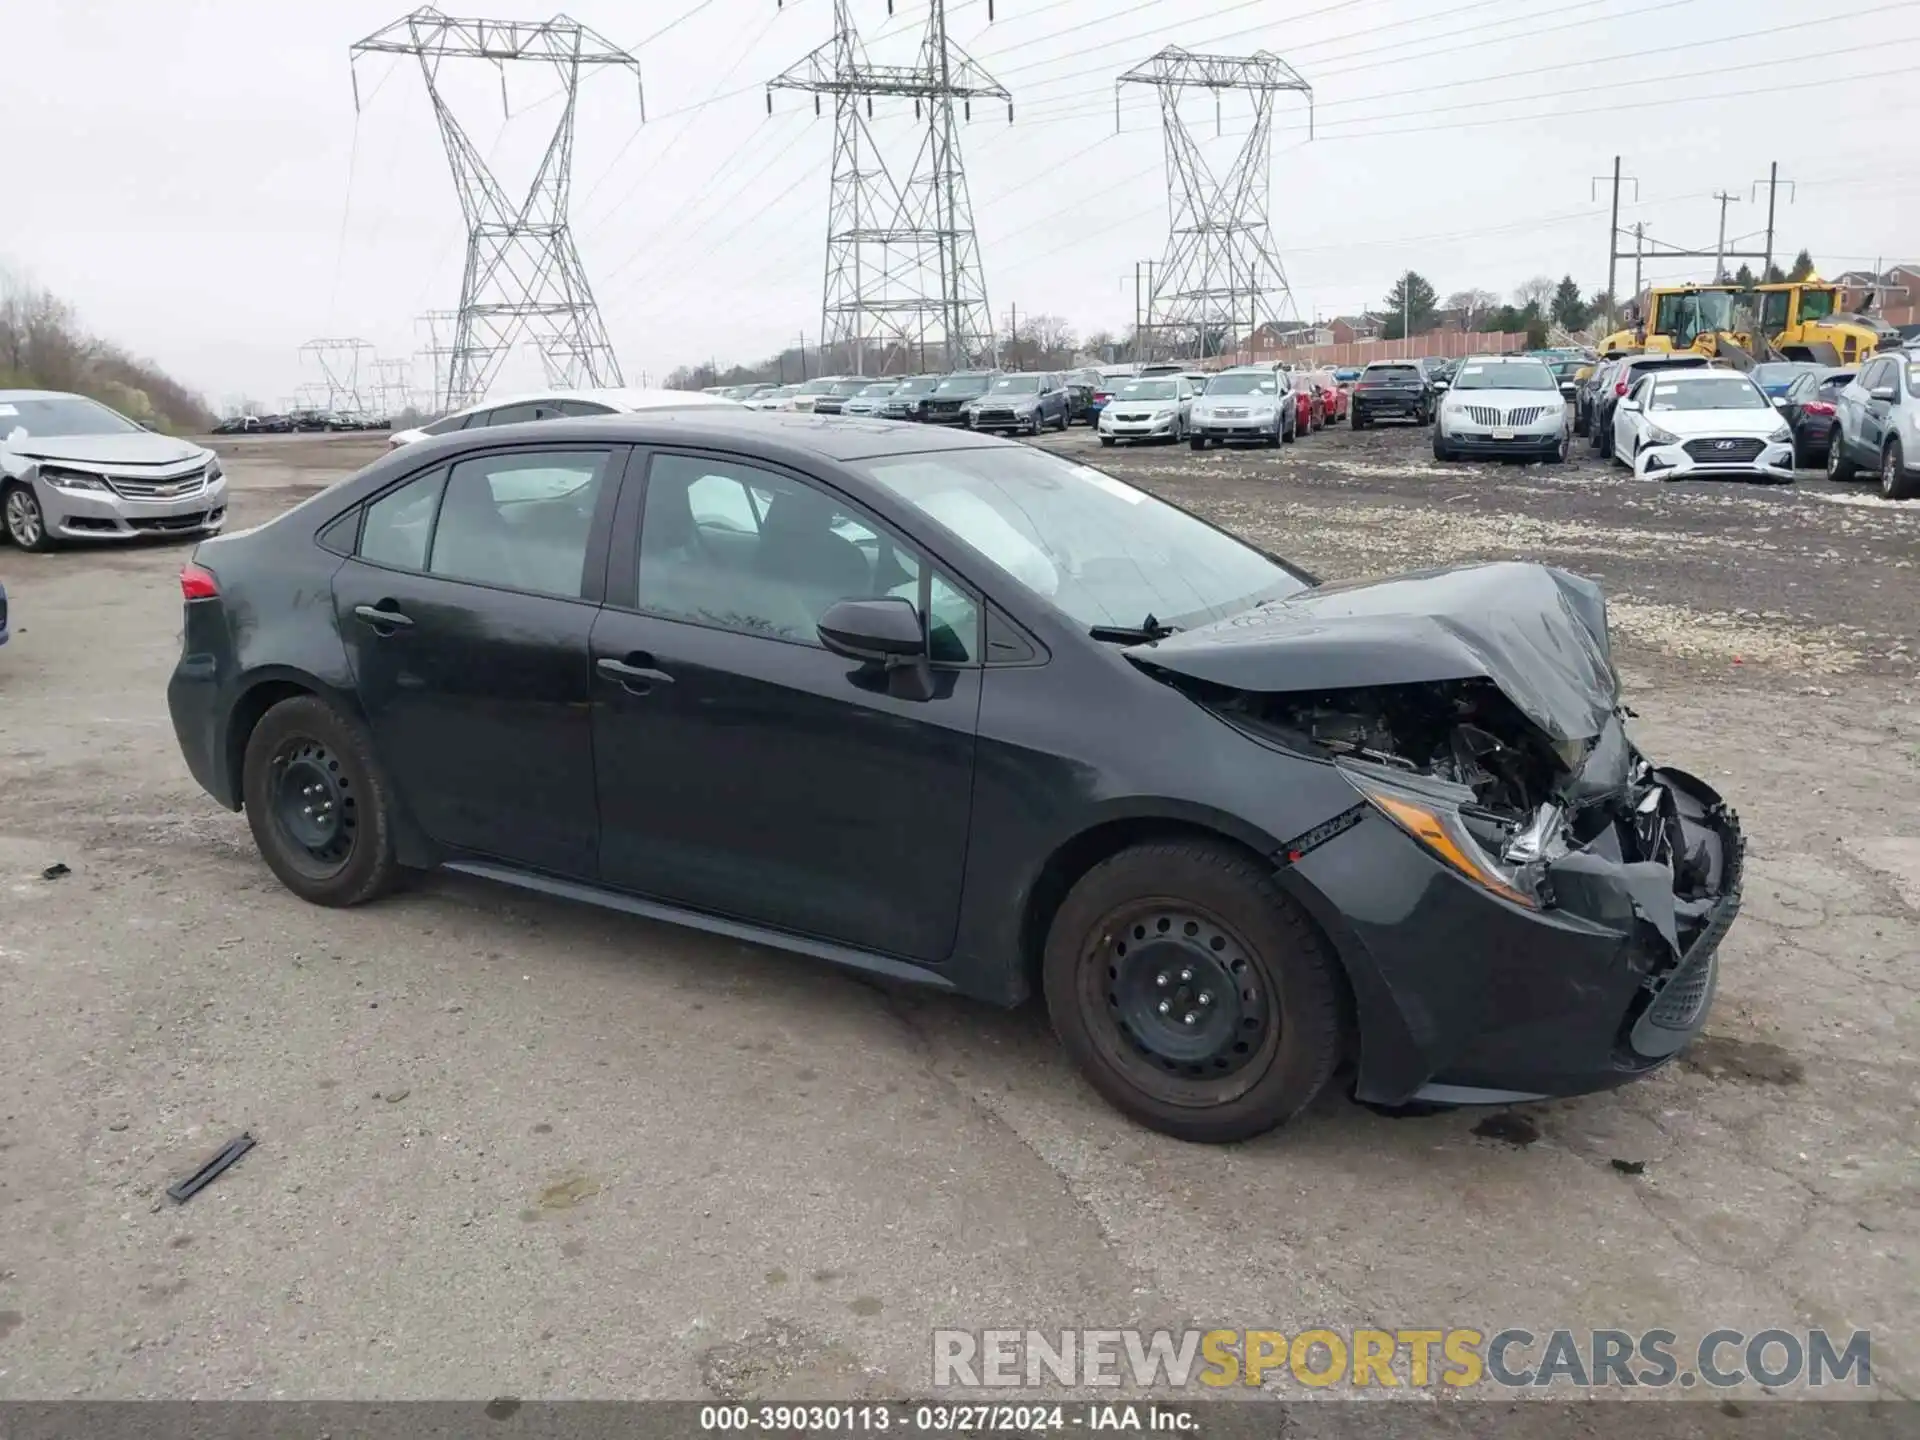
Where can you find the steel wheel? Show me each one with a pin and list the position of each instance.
(26, 526)
(1188, 1016)
(313, 807)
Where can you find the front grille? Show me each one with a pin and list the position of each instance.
(1483, 415)
(1131, 419)
(177, 488)
(1490, 416)
(995, 417)
(1725, 452)
(1229, 414)
(193, 521)
(1527, 415)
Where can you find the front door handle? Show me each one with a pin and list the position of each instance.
(636, 673)
(378, 616)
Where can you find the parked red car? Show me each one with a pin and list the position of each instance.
(1313, 406)
(1333, 396)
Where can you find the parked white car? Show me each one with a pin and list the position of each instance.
(1502, 408)
(551, 404)
(1150, 408)
(1699, 425)
(774, 399)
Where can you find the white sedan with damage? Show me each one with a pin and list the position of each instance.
(1701, 425)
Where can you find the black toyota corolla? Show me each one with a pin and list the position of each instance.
(958, 711)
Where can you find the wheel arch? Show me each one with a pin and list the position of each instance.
(1079, 853)
(258, 692)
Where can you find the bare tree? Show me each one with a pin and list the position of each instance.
(1472, 306)
(1537, 292)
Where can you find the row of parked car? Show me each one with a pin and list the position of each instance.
(302, 422)
(1845, 419)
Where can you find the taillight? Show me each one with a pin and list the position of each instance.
(1817, 407)
(1101, 397)
(1620, 388)
(198, 583)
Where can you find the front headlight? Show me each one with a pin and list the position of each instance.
(71, 479)
(1166, 414)
(1657, 436)
(1782, 433)
(214, 472)
(1438, 826)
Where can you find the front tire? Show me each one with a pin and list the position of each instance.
(1197, 443)
(1192, 992)
(1839, 467)
(1106, 440)
(26, 523)
(1896, 481)
(1441, 450)
(319, 804)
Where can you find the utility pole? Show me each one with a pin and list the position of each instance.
(1220, 260)
(523, 274)
(1720, 249)
(803, 357)
(1143, 311)
(1639, 241)
(1773, 182)
(1013, 328)
(1613, 238)
(901, 257)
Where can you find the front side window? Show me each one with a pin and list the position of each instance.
(1773, 311)
(731, 545)
(519, 520)
(1100, 551)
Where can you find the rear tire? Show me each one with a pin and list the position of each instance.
(1896, 481)
(1360, 421)
(319, 804)
(1162, 924)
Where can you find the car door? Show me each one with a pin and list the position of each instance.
(1629, 420)
(746, 771)
(466, 612)
(1879, 387)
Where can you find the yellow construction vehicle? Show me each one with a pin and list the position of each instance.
(1802, 320)
(1715, 320)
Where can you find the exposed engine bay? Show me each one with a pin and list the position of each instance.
(1564, 820)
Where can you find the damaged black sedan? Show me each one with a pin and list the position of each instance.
(957, 711)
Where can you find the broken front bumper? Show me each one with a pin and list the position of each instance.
(1773, 463)
(1463, 997)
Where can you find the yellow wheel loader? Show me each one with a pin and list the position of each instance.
(1802, 320)
(1712, 320)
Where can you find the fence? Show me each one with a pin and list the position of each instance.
(1451, 344)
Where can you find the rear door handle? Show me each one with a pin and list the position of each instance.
(375, 616)
(636, 673)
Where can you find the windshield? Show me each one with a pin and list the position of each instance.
(1243, 385)
(1817, 304)
(1706, 392)
(877, 390)
(1016, 385)
(1101, 551)
(1148, 390)
(1505, 375)
(1303, 384)
(962, 385)
(847, 387)
(923, 386)
(815, 387)
(1682, 317)
(61, 415)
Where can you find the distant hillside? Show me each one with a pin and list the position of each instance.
(43, 347)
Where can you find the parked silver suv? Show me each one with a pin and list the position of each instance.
(72, 469)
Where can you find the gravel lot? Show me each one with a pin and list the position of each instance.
(515, 1147)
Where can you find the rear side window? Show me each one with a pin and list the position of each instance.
(399, 524)
(520, 520)
(584, 407)
(447, 425)
(521, 414)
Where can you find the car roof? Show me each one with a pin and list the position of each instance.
(42, 395)
(627, 397)
(773, 433)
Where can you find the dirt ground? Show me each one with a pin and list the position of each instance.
(515, 1147)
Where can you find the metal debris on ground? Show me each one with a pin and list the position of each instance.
(55, 871)
(182, 1191)
(1630, 1167)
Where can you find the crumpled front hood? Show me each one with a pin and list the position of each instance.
(141, 448)
(1538, 633)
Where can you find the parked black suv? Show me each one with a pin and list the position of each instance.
(1397, 388)
(948, 403)
(909, 401)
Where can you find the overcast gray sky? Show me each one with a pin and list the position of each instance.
(191, 174)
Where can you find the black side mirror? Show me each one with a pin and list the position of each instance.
(884, 631)
(1567, 387)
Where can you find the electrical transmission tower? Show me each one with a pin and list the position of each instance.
(438, 353)
(903, 263)
(1220, 270)
(523, 275)
(347, 372)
